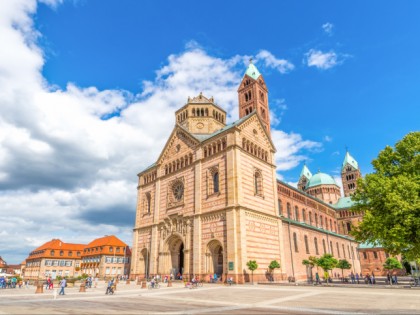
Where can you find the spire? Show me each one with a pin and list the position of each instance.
(305, 172)
(348, 159)
(252, 70)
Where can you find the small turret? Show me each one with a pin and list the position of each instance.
(305, 176)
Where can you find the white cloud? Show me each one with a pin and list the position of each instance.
(327, 139)
(339, 183)
(67, 170)
(270, 61)
(328, 28)
(320, 60)
(290, 147)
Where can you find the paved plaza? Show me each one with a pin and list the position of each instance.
(215, 299)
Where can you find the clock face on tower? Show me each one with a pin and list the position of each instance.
(178, 191)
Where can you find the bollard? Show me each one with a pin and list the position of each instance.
(39, 287)
(169, 283)
(82, 287)
(143, 284)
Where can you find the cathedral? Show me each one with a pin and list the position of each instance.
(212, 201)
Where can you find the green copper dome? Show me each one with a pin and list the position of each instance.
(320, 179)
(252, 71)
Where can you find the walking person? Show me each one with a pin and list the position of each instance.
(357, 278)
(109, 287)
(317, 279)
(63, 284)
(352, 277)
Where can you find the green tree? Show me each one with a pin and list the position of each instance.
(392, 263)
(273, 266)
(252, 265)
(390, 200)
(310, 263)
(343, 264)
(327, 262)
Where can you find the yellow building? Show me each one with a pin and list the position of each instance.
(52, 259)
(106, 256)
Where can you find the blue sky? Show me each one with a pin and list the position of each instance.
(89, 90)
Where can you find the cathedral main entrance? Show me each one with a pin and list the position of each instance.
(176, 253)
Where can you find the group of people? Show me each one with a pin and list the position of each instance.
(356, 278)
(11, 283)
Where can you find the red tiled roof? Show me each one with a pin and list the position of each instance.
(108, 240)
(44, 251)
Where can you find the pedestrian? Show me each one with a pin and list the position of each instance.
(63, 284)
(109, 287)
(352, 277)
(317, 278)
(357, 278)
(388, 277)
(373, 278)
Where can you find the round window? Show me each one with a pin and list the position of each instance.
(178, 191)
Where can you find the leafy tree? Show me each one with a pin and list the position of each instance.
(392, 263)
(390, 199)
(327, 262)
(252, 265)
(273, 265)
(343, 264)
(311, 262)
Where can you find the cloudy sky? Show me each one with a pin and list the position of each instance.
(88, 91)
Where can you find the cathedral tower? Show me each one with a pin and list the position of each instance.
(349, 174)
(253, 96)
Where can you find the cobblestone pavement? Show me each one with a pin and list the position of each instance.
(214, 299)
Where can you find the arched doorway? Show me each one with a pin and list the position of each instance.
(176, 252)
(214, 258)
(146, 262)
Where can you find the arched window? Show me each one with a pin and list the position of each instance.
(216, 182)
(331, 248)
(338, 250)
(324, 247)
(322, 221)
(310, 218)
(280, 207)
(316, 220)
(303, 215)
(61, 253)
(258, 183)
(344, 251)
(289, 210)
(296, 213)
(295, 242)
(316, 246)
(306, 244)
(52, 253)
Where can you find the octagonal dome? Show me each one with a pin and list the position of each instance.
(320, 179)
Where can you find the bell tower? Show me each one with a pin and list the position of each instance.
(350, 173)
(253, 96)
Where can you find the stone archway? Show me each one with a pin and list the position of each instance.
(214, 258)
(145, 266)
(175, 252)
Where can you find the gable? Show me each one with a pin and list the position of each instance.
(253, 130)
(179, 143)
